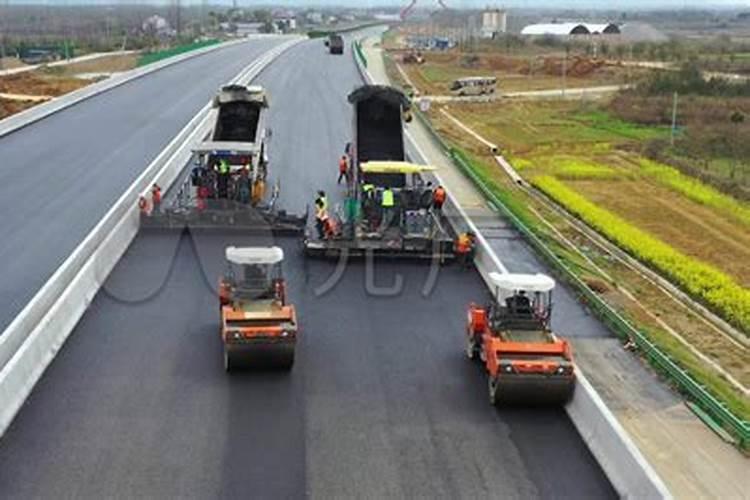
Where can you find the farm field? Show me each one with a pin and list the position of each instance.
(514, 73)
(597, 157)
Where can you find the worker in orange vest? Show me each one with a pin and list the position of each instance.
(464, 248)
(438, 198)
(143, 205)
(343, 169)
(155, 197)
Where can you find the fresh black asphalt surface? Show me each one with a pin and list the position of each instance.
(59, 176)
(381, 401)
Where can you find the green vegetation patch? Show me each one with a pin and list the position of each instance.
(680, 354)
(153, 57)
(703, 281)
(601, 120)
(695, 190)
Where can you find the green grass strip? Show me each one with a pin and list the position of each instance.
(153, 57)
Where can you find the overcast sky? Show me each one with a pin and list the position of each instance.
(609, 4)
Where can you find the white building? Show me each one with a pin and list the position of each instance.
(569, 29)
(315, 17)
(494, 22)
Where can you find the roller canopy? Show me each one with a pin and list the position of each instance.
(394, 167)
(528, 282)
(381, 92)
(235, 92)
(254, 255)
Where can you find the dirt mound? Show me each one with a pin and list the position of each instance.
(38, 83)
(576, 66)
(8, 108)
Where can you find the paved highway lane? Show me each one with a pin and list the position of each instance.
(380, 402)
(59, 176)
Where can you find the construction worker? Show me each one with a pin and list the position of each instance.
(155, 197)
(143, 205)
(369, 205)
(243, 185)
(222, 169)
(519, 303)
(387, 202)
(464, 249)
(343, 169)
(438, 198)
(321, 213)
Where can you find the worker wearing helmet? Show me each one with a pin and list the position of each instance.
(223, 181)
(155, 197)
(343, 169)
(321, 213)
(438, 198)
(464, 248)
(387, 203)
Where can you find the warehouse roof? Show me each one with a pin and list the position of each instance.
(565, 29)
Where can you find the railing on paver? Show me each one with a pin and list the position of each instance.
(737, 427)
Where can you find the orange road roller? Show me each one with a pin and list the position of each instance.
(258, 327)
(526, 363)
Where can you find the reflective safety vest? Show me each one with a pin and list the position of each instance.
(224, 167)
(342, 165)
(387, 198)
(463, 244)
(321, 206)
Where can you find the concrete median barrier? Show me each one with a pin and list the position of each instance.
(32, 340)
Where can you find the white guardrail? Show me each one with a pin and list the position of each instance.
(625, 466)
(31, 341)
(27, 117)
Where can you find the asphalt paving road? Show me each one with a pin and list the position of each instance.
(381, 401)
(59, 176)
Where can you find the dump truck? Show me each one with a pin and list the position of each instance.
(378, 163)
(526, 363)
(335, 44)
(258, 326)
(227, 186)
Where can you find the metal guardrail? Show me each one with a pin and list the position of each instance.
(358, 51)
(737, 427)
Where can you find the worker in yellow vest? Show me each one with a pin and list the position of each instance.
(387, 203)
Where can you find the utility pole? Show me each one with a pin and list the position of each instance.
(564, 72)
(178, 18)
(674, 119)
(3, 14)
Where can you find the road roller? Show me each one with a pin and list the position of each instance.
(526, 363)
(258, 327)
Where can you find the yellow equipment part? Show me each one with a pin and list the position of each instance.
(394, 167)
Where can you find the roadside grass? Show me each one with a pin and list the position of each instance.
(522, 127)
(602, 120)
(582, 143)
(153, 57)
(714, 288)
(519, 204)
